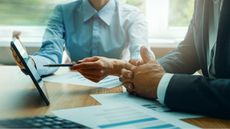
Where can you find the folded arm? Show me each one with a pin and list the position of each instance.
(184, 59)
(199, 94)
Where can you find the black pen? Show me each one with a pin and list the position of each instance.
(62, 65)
(59, 65)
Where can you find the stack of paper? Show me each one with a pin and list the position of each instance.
(77, 79)
(130, 117)
(126, 99)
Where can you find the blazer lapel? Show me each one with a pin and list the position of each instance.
(222, 59)
(201, 32)
(205, 34)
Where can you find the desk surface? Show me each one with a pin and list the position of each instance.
(18, 98)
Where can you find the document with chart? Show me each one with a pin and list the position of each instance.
(77, 79)
(129, 117)
(126, 99)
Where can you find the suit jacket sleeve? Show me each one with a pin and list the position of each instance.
(184, 59)
(198, 94)
(191, 93)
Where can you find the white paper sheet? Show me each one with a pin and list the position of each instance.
(121, 116)
(77, 79)
(125, 98)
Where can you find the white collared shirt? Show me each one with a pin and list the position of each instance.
(77, 27)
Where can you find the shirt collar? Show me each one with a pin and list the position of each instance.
(88, 10)
(105, 14)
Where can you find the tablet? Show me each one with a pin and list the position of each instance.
(30, 69)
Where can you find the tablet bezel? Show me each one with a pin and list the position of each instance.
(39, 84)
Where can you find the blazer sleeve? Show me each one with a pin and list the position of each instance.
(198, 94)
(184, 59)
(53, 43)
(192, 93)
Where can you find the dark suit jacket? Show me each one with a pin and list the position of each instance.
(200, 94)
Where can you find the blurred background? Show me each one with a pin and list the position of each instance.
(168, 22)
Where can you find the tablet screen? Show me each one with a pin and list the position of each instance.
(30, 68)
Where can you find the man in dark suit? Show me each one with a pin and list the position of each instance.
(206, 47)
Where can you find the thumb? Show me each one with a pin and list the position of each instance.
(129, 66)
(147, 55)
(16, 34)
(89, 59)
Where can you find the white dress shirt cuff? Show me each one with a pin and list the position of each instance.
(162, 87)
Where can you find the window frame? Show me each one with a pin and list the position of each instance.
(31, 35)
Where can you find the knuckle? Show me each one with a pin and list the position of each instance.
(125, 85)
(100, 64)
(102, 72)
(96, 57)
(122, 71)
(126, 74)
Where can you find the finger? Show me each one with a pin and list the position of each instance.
(89, 59)
(14, 54)
(125, 80)
(18, 62)
(128, 85)
(127, 74)
(93, 79)
(21, 66)
(147, 55)
(87, 65)
(136, 62)
(16, 58)
(94, 73)
(16, 34)
(129, 66)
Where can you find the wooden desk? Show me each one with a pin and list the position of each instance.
(18, 98)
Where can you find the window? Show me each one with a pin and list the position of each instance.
(25, 12)
(28, 16)
(168, 19)
(180, 14)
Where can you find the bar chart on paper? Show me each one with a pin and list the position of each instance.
(130, 118)
(119, 117)
(127, 99)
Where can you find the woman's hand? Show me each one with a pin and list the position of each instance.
(97, 68)
(16, 34)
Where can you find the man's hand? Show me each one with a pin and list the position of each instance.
(97, 68)
(142, 80)
(147, 55)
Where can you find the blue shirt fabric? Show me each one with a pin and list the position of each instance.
(113, 31)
